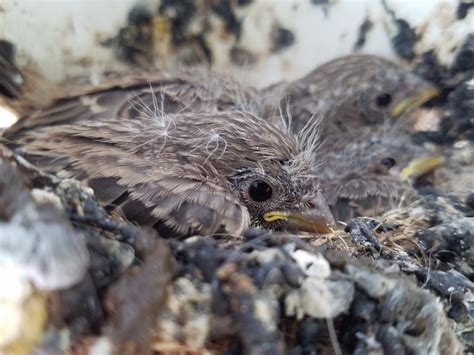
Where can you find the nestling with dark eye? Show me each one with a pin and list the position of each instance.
(183, 173)
(351, 92)
(357, 98)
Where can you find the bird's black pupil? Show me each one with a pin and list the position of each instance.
(260, 191)
(383, 100)
(388, 162)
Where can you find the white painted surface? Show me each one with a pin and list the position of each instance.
(61, 38)
(58, 37)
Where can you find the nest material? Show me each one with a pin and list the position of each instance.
(266, 293)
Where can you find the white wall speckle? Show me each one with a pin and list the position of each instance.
(61, 38)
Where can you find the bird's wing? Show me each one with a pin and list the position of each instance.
(185, 91)
(124, 97)
(20, 89)
(357, 195)
(86, 137)
(10, 79)
(133, 187)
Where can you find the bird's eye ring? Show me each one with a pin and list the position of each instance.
(260, 191)
(383, 100)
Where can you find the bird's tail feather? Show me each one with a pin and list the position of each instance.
(11, 78)
(21, 89)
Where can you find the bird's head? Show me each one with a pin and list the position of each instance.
(369, 87)
(284, 201)
(387, 90)
(271, 172)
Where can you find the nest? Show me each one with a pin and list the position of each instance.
(398, 283)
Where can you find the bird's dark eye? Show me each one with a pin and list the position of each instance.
(388, 162)
(383, 100)
(260, 191)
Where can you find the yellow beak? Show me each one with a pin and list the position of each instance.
(300, 221)
(414, 101)
(421, 166)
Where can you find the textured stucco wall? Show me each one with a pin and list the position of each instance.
(60, 38)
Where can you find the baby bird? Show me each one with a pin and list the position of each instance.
(357, 97)
(368, 175)
(182, 172)
(350, 93)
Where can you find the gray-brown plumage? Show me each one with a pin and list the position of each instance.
(184, 173)
(357, 98)
(184, 90)
(21, 89)
(349, 93)
(181, 90)
(10, 77)
(368, 175)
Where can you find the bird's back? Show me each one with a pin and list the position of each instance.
(155, 148)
